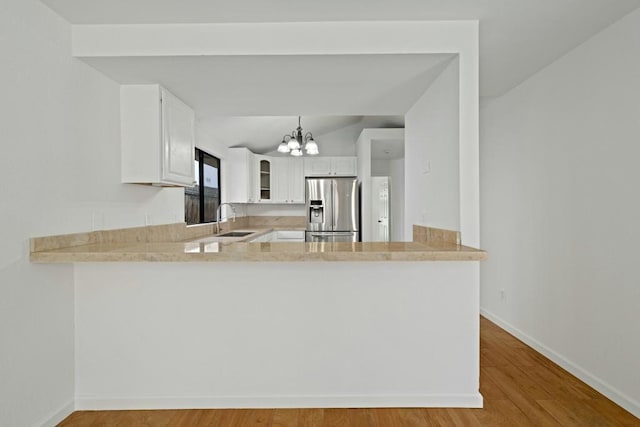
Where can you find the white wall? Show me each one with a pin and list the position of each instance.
(396, 172)
(190, 335)
(561, 212)
(340, 142)
(380, 167)
(206, 141)
(432, 153)
(59, 122)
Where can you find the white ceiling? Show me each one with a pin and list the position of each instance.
(252, 101)
(337, 95)
(517, 37)
(387, 149)
(335, 135)
(285, 85)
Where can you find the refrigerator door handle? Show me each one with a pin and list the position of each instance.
(334, 196)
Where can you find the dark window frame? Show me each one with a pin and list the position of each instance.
(201, 156)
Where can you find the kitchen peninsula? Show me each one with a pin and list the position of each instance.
(94, 247)
(371, 330)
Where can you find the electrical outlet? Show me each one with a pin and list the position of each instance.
(503, 294)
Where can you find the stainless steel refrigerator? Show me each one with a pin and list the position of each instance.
(332, 210)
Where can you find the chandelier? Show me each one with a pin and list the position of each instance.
(295, 142)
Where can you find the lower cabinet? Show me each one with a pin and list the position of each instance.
(264, 238)
(281, 236)
(289, 235)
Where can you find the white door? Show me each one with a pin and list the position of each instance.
(380, 208)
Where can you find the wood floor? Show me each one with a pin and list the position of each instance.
(519, 385)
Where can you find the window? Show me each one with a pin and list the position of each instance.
(202, 200)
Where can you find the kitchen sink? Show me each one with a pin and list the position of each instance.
(236, 234)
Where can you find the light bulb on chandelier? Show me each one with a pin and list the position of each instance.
(293, 143)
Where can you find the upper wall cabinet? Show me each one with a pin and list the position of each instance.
(157, 137)
(330, 166)
(265, 178)
(288, 180)
(240, 179)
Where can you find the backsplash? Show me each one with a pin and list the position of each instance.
(435, 235)
(162, 233)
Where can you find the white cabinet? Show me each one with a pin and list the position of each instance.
(281, 236)
(269, 237)
(289, 236)
(240, 177)
(296, 181)
(251, 178)
(317, 166)
(157, 137)
(288, 180)
(344, 166)
(330, 166)
(263, 167)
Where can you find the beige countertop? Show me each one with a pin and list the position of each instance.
(211, 248)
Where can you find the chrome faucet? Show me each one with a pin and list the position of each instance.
(219, 215)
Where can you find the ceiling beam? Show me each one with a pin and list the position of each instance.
(310, 38)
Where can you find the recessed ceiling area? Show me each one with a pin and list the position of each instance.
(338, 85)
(335, 135)
(253, 101)
(517, 38)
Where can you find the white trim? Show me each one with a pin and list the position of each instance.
(274, 38)
(55, 418)
(601, 386)
(218, 402)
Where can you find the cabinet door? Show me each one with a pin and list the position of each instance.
(295, 178)
(280, 179)
(178, 141)
(238, 181)
(343, 166)
(253, 178)
(264, 171)
(290, 236)
(317, 166)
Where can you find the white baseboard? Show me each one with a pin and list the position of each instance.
(365, 401)
(55, 418)
(620, 398)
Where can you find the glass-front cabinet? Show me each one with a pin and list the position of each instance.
(264, 170)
